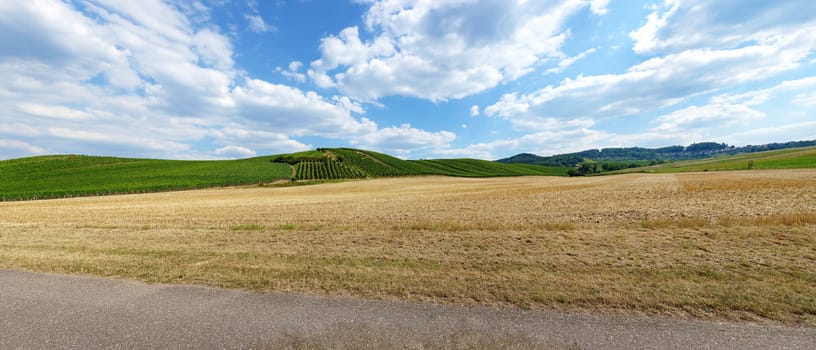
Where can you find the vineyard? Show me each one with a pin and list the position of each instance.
(326, 169)
(347, 163)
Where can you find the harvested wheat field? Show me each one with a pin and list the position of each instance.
(733, 245)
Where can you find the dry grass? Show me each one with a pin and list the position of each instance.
(786, 219)
(685, 245)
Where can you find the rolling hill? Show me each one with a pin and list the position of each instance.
(341, 163)
(62, 176)
(641, 155)
(76, 175)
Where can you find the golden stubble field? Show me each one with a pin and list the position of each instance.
(733, 245)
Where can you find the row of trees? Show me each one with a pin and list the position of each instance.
(588, 168)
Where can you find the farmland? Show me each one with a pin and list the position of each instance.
(64, 176)
(723, 245)
(346, 163)
(72, 175)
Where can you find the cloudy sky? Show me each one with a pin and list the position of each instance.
(418, 79)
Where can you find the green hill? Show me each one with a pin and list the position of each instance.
(780, 159)
(71, 176)
(343, 163)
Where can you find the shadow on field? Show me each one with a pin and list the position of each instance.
(356, 336)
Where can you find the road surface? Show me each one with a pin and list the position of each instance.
(45, 311)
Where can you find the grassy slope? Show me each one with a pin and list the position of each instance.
(781, 159)
(478, 168)
(69, 176)
(378, 164)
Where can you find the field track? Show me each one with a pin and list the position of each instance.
(734, 245)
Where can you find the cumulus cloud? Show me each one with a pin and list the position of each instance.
(803, 87)
(148, 78)
(438, 50)
(707, 117)
(565, 63)
(542, 143)
(731, 118)
(58, 112)
(20, 147)
(257, 24)
(680, 25)
(659, 82)
(474, 110)
(403, 139)
(233, 151)
(293, 71)
(300, 112)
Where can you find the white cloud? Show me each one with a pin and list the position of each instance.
(598, 7)
(25, 147)
(659, 82)
(565, 63)
(143, 79)
(298, 112)
(258, 25)
(542, 143)
(808, 99)
(293, 71)
(258, 140)
(58, 112)
(710, 116)
(438, 50)
(403, 139)
(474, 110)
(757, 97)
(233, 151)
(794, 131)
(680, 25)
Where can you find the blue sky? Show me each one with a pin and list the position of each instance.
(214, 79)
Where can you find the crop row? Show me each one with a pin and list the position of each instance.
(369, 164)
(326, 170)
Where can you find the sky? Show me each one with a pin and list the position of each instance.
(220, 79)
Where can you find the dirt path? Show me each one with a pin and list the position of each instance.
(60, 312)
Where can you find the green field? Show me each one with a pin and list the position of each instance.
(781, 159)
(72, 176)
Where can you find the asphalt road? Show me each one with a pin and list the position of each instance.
(43, 311)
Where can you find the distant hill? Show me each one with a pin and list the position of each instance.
(638, 155)
(788, 158)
